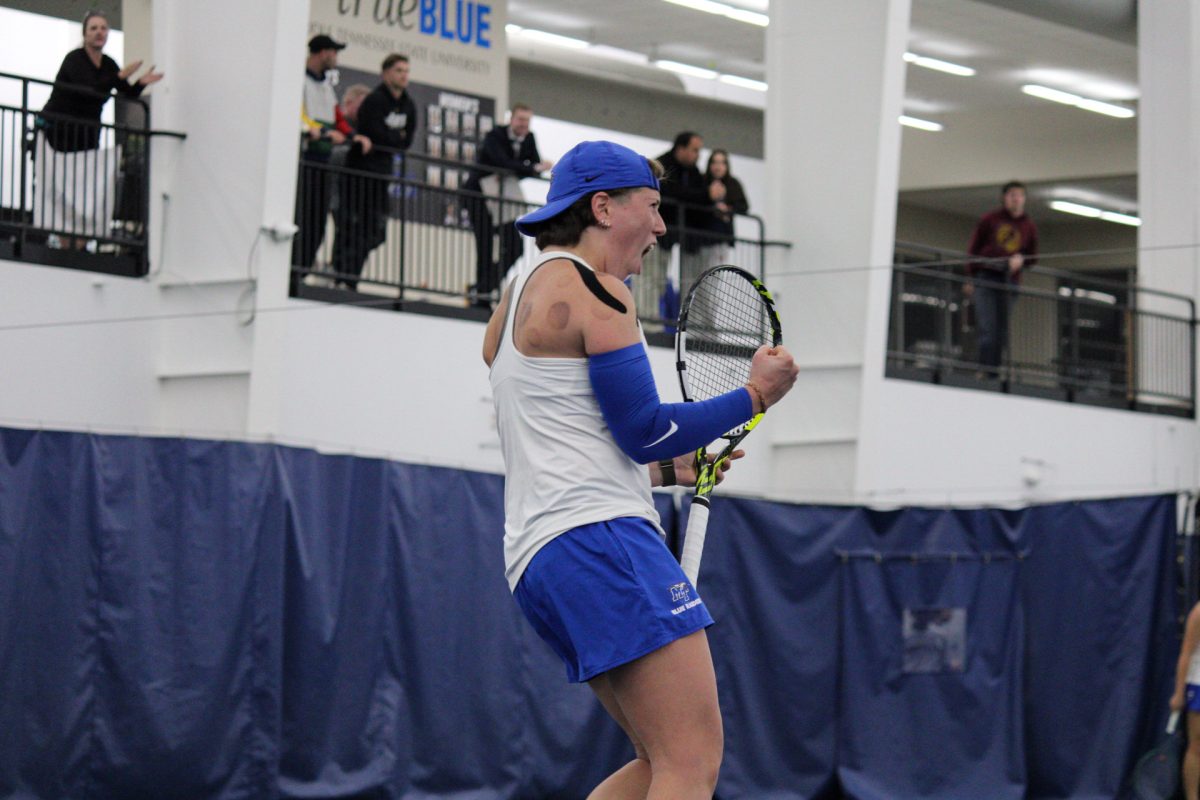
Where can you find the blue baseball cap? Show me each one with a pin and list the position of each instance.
(590, 167)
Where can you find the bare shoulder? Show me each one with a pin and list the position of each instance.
(611, 319)
(547, 315)
(495, 328)
(566, 308)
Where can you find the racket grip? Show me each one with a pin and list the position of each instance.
(693, 542)
(1172, 721)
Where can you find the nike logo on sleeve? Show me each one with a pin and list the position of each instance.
(674, 427)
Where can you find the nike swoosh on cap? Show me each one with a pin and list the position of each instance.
(674, 427)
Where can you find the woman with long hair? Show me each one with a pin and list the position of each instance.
(723, 212)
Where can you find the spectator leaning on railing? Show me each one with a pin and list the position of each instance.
(69, 136)
(321, 128)
(388, 118)
(510, 147)
(1007, 238)
(71, 119)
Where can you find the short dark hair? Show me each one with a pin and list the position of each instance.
(566, 228)
(392, 59)
(93, 13)
(684, 139)
(1013, 185)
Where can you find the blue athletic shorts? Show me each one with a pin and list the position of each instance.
(604, 594)
(1192, 702)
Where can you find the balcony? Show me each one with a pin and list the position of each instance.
(422, 252)
(1073, 337)
(74, 193)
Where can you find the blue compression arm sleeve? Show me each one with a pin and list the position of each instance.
(646, 428)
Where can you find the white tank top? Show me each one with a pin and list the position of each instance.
(563, 469)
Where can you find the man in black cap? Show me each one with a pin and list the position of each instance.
(321, 128)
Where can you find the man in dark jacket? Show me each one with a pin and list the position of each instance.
(513, 149)
(1007, 238)
(687, 197)
(388, 117)
(688, 201)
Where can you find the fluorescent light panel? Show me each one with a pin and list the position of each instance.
(920, 124)
(1121, 219)
(939, 65)
(745, 83)
(725, 10)
(1092, 212)
(548, 38)
(686, 69)
(1068, 99)
(618, 54)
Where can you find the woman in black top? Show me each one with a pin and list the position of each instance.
(735, 202)
(70, 119)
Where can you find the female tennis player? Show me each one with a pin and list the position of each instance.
(579, 418)
(1187, 699)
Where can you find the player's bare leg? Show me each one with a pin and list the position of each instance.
(1191, 758)
(669, 700)
(633, 779)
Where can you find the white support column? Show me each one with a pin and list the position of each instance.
(233, 84)
(836, 75)
(233, 73)
(1168, 161)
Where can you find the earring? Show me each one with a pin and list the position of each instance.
(605, 223)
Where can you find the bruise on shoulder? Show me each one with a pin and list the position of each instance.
(559, 315)
(523, 314)
(526, 330)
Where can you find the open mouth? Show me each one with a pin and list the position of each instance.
(649, 247)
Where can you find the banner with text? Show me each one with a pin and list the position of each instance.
(458, 45)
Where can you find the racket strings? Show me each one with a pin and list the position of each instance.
(726, 322)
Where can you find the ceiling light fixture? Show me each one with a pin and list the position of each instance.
(725, 10)
(686, 69)
(1092, 212)
(939, 65)
(920, 124)
(547, 38)
(745, 83)
(1068, 99)
(618, 54)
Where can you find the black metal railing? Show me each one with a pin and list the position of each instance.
(414, 239)
(1070, 336)
(74, 192)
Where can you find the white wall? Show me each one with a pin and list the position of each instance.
(86, 351)
(932, 445)
(56, 370)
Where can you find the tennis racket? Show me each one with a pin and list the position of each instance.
(727, 315)
(1156, 776)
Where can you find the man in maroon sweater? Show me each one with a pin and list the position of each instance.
(1008, 239)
